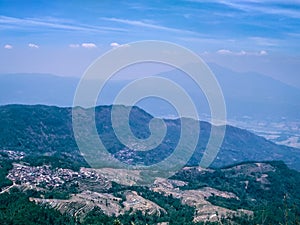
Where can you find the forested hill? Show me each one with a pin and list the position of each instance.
(45, 134)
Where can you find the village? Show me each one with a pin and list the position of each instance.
(45, 176)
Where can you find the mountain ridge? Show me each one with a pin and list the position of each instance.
(47, 131)
(246, 94)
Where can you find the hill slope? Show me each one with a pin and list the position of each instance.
(45, 133)
(247, 193)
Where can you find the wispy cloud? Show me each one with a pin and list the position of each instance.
(74, 45)
(208, 40)
(241, 53)
(26, 23)
(83, 45)
(266, 7)
(224, 52)
(114, 44)
(7, 46)
(263, 52)
(263, 41)
(89, 45)
(117, 45)
(141, 23)
(288, 8)
(31, 45)
(294, 34)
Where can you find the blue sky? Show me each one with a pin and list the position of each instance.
(64, 37)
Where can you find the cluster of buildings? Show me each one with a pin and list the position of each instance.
(45, 176)
(14, 155)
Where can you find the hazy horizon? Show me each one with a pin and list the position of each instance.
(65, 38)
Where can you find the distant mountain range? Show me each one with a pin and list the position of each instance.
(246, 94)
(37, 89)
(45, 132)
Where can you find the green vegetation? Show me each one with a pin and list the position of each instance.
(15, 208)
(274, 202)
(5, 166)
(45, 134)
(56, 161)
(46, 137)
(177, 213)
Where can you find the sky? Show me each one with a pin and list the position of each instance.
(64, 37)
